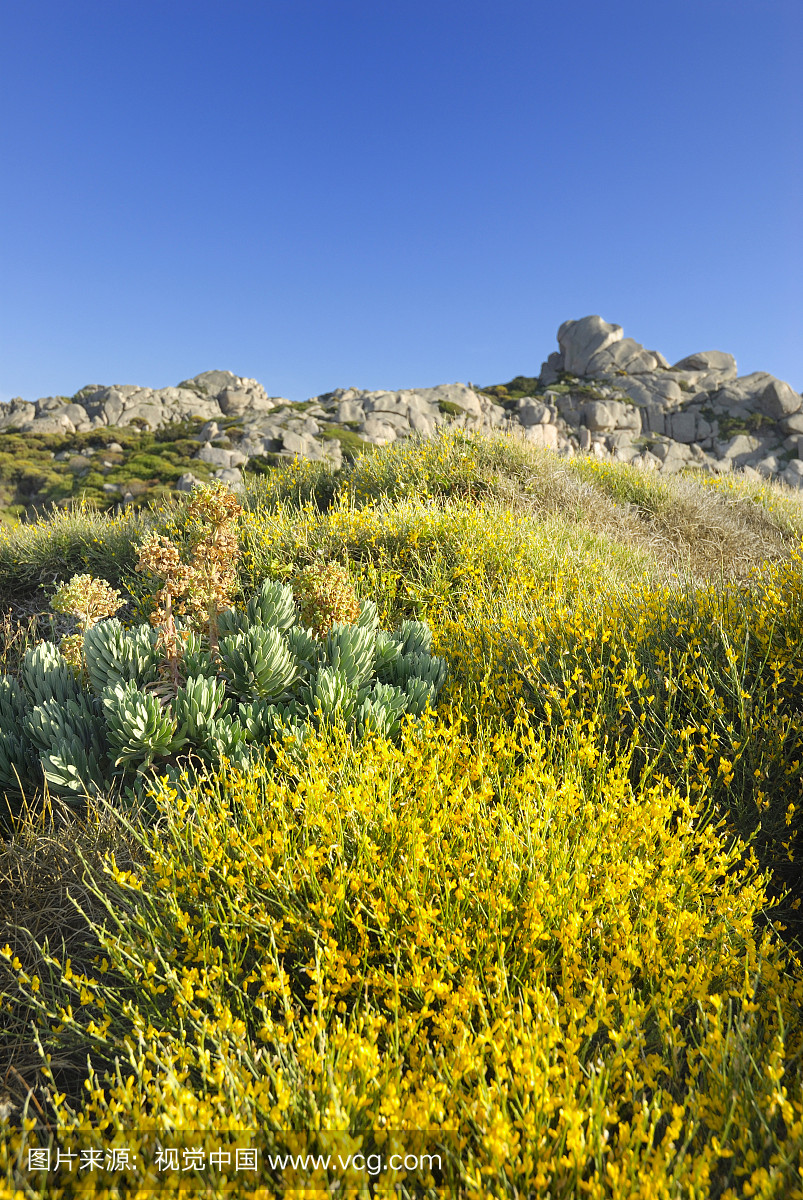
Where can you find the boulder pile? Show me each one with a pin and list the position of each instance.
(601, 394)
(616, 399)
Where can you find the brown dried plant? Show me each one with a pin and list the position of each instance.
(214, 557)
(158, 555)
(201, 588)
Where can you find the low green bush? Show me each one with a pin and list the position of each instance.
(33, 481)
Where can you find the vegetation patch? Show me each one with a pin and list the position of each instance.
(557, 909)
(351, 443)
(515, 389)
(33, 479)
(730, 426)
(110, 705)
(294, 406)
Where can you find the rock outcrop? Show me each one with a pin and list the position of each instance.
(617, 399)
(242, 422)
(601, 393)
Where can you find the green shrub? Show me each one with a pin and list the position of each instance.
(33, 481)
(351, 443)
(296, 481)
(523, 385)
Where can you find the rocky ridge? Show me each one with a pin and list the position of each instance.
(601, 394)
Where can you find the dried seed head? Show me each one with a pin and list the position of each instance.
(87, 599)
(214, 503)
(158, 555)
(325, 597)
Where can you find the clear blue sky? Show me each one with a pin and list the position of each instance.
(393, 193)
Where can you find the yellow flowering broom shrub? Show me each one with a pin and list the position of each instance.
(706, 683)
(466, 933)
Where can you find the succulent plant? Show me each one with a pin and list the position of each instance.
(271, 675)
(258, 662)
(139, 728)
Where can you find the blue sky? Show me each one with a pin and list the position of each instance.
(393, 193)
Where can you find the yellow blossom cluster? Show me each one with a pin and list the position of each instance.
(703, 682)
(465, 933)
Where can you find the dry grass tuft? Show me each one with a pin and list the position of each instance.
(704, 528)
(714, 535)
(43, 870)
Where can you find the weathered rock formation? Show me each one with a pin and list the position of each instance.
(601, 394)
(615, 398)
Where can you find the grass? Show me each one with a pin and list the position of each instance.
(554, 932)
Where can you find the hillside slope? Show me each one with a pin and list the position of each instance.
(601, 394)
